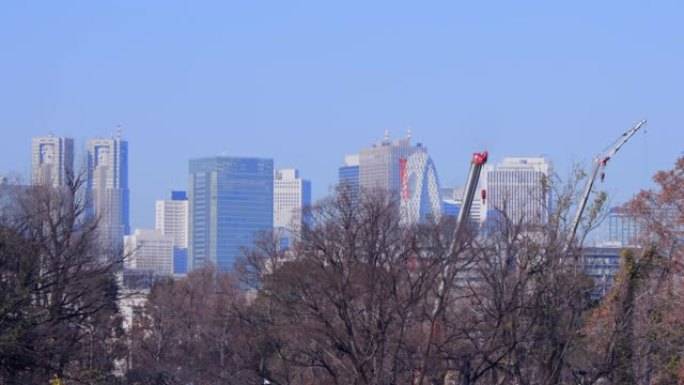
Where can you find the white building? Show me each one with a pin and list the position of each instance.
(107, 188)
(148, 249)
(420, 193)
(172, 218)
(380, 166)
(519, 188)
(291, 194)
(52, 161)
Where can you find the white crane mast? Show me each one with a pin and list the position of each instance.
(600, 161)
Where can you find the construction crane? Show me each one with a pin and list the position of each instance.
(477, 163)
(600, 162)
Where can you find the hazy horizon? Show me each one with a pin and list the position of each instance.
(307, 83)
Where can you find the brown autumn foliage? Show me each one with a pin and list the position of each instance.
(637, 333)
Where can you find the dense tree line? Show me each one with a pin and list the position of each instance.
(58, 316)
(357, 301)
(360, 298)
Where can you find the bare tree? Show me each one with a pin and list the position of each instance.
(348, 304)
(189, 332)
(58, 290)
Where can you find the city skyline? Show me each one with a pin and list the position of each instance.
(299, 85)
(148, 221)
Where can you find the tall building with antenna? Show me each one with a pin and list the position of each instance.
(380, 165)
(107, 188)
(52, 160)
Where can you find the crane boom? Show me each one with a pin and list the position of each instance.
(600, 161)
(478, 161)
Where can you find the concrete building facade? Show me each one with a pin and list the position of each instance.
(291, 194)
(107, 188)
(150, 250)
(52, 161)
(518, 188)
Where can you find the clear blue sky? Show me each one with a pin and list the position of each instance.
(308, 82)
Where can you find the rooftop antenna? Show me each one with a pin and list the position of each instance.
(408, 133)
(386, 135)
(118, 131)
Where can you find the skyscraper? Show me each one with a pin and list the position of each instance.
(172, 217)
(291, 194)
(107, 188)
(420, 192)
(172, 220)
(348, 173)
(52, 161)
(519, 187)
(380, 166)
(230, 201)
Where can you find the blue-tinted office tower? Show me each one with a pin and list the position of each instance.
(231, 201)
(348, 174)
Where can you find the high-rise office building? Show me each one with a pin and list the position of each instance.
(348, 173)
(291, 194)
(148, 249)
(519, 188)
(172, 219)
(107, 188)
(52, 161)
(380, 165)
(420, 192)
(230, 202)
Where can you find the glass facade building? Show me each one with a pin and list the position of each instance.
(230, 202)
(348, 174)
(602, 264)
